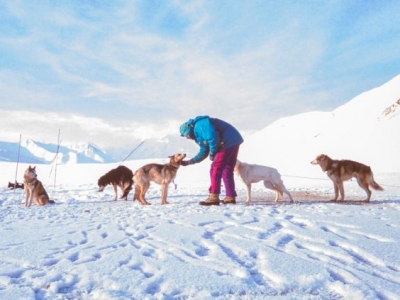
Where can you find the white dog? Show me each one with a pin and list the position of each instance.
(250, 173)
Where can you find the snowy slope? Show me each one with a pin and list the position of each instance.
(365, 129)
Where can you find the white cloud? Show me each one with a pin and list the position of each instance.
(44, 126)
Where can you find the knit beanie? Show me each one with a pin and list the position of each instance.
(184, 129)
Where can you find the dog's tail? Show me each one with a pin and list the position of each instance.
(373, 183)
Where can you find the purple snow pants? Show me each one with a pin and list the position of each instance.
(222, 168)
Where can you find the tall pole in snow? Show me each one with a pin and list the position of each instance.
(55, 158)
(16, 169)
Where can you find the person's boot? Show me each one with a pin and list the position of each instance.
(229, 200)
(213, 199)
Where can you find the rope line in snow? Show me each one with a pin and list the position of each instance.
(304, 177)
(317, 178)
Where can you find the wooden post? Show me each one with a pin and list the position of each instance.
(16, 169)
(55, 158)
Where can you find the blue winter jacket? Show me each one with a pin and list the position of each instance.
(212, 135)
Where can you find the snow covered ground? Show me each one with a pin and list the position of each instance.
(87, 246)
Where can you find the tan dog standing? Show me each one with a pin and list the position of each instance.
(158, 173)
(34, 189)
(341, 170)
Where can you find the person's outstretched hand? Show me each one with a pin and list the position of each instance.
(186, 162)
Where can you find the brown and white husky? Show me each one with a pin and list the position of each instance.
(34, 189)
(341, 170)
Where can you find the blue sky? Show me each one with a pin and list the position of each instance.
(115, 72)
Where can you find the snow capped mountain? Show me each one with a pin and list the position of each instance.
(91, 152)
(365, 129)
(38, 152)
(9, 153)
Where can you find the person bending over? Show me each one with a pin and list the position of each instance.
(220, 141)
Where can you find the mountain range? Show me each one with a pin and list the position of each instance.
(365, 129)
(37, 152)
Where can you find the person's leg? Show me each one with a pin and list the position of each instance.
(216, 169)
(230, 158)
